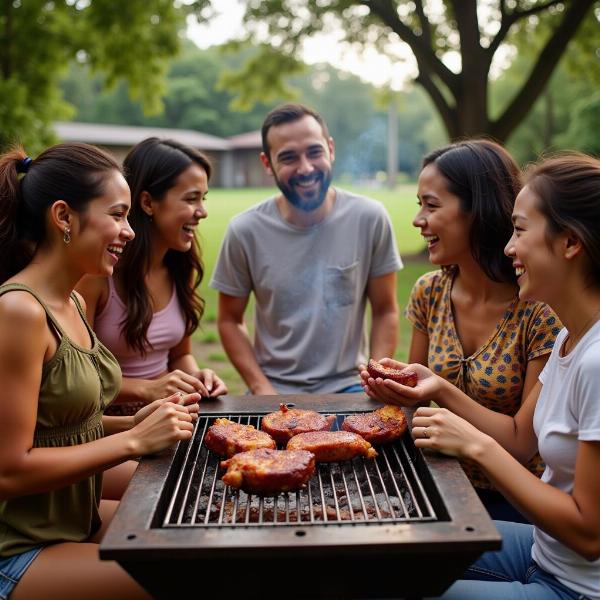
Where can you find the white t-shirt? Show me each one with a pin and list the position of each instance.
(568, 411)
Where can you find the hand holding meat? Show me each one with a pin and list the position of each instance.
(165, 422)
(428, 385)
(442, 430)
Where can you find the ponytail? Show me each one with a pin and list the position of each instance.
(15, 250)
(73, 172)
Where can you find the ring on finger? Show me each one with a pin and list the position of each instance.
(425, 433)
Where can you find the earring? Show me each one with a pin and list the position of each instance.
(150, 218)
(67, 236)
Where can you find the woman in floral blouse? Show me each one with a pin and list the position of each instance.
(469, 325)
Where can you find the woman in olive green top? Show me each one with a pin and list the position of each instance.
(62, 216)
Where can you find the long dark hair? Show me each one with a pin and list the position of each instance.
(487, 180)
(73, 172)
(153, 166)
(567, 188)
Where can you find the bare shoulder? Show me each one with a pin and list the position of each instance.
(21, 308)
(23, 320)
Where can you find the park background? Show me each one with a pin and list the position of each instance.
(400, 78)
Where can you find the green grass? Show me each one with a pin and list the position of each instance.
(223, 204)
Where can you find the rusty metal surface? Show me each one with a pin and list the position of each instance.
(137, 539)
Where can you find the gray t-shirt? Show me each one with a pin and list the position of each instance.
(309, 286)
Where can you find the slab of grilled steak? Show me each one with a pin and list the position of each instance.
(226, 438)
(266, 471)
(331, 446)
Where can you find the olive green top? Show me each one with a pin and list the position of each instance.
(76, 386)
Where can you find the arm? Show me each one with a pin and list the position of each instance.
(419, 346)
(237, 344)
(573, 519)
(513, 433)
(381, 292)
(25, 343)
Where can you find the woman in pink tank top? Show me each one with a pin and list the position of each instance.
(146, 313)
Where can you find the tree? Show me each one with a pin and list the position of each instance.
(435, 31)
(130, 40)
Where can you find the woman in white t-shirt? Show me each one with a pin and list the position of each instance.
(555, 250)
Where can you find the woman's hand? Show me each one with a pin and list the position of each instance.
(190, 401)
(173, 382)
(164, 422)
(214, 385)
(428, 388)
(439, 429)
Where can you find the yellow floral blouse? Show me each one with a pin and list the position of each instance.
(494, 374)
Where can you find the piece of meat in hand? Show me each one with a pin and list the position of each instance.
(383, 425)
(405, 376)
(330, 446)
(226, 438)
(267, 471)
(288, 422)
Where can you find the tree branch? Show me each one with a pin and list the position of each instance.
(425, 25)
(386, 11)
(520, 14)
(518, 108)
(509, 19)
(447, 113)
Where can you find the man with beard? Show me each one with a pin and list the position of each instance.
(312, 255)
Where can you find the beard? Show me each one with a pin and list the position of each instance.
(305, 200)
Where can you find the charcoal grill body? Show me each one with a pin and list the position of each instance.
(390, 556)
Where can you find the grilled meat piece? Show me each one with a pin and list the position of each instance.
(266, 471)
(226, 438)
(383, 425)
(330, 446)
(288, 422)
(405, 377)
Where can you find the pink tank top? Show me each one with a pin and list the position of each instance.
(166, 330)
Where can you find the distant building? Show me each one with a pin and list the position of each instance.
(235, 159)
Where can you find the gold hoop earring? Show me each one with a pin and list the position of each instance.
(67, 236)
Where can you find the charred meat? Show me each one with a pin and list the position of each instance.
(330, 446)
(227, 438)
(288, 422)
(405, 376)
(381, 426)
(265, 471)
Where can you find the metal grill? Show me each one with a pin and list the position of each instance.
(387, 489)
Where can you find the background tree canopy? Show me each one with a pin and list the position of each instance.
(130, 40)
(89, 62)
(470, 31)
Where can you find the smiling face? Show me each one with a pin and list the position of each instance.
(535, 256)
(102, 230)
(300, 160)
(444, 226)
(175, 217)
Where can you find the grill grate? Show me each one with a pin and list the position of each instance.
(386, 489)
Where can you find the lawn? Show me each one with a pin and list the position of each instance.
(222, 204)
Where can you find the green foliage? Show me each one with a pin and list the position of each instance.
(131, 40)
(583, 129)
(435, 32)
